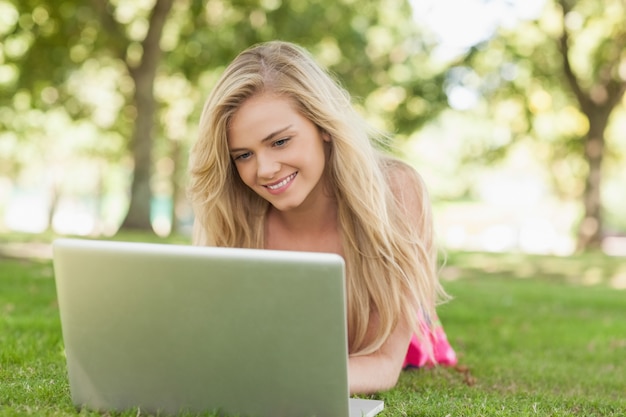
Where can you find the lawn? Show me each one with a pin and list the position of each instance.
(536, 336)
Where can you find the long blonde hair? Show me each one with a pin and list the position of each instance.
(390, 263)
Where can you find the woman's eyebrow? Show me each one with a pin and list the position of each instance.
(265, 139)
(278, 132)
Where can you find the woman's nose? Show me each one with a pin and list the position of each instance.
(267, 167)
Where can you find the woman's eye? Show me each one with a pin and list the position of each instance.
(243, 156)
(281, 142)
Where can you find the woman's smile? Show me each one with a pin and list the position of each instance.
(282, 185)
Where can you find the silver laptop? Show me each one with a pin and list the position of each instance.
(174, 328)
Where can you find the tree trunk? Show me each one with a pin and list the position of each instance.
(590, 228)
(54, 201)
(178, 192)
(597, 103)
(138, 216)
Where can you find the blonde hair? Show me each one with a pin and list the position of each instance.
(390, 263)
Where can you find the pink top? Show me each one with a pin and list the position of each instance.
(443, 354)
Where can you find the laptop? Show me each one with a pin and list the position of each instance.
(183, 329)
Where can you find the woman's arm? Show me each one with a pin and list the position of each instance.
(379, 371)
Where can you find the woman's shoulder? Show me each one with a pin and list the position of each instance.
(401, 177)
(409, 193)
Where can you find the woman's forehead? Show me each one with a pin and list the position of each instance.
(261, 115)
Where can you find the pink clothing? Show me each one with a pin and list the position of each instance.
(443, 354)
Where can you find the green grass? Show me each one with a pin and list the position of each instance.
(533, 338)
(530, 348)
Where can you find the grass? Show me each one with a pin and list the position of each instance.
(536, 336)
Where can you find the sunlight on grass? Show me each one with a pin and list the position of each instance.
(618, 280)
(587, 269)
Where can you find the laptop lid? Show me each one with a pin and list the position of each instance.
(171, 328)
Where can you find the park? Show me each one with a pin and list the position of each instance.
(516, 130)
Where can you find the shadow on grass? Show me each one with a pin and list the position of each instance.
(588, 269)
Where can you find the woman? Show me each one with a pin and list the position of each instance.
(283, 161)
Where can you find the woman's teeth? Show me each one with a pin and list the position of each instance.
(282, 183)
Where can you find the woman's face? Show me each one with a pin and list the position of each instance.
(278, 153)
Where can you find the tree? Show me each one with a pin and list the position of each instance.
(565, 75)
(143, 71)
(597, 96)
(374, 49)
(61, 41)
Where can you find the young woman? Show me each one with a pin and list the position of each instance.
(283, 161)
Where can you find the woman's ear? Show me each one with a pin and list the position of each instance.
(324, 133)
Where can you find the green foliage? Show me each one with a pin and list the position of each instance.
(523, 68)
(556, 84)
(534, 335)
(374, 46)
(74, 64)
(371, 50)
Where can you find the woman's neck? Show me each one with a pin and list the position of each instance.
(313, 229)
(307, 220)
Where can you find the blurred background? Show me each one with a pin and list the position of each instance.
(513, 111)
